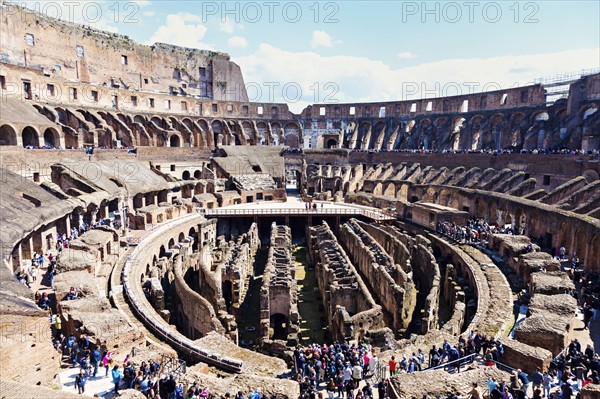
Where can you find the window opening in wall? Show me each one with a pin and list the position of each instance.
(124, 60)
(2, 82)
(274, 112)
(245, 109)
(429, 106)
(134, 101)
(74, 93)
(524, 96)
(50, 88)
(367, 111)
(215, 107)
(352, 110)
(94, 95)
(322, 111)
(184, 106)
(167, 104)
(465, 106)
(382, 112)
(79, 50)
(504, 99)
(413, 107)
(145, 81)
(259, 110)
(546, 180)
(172, 168)
(27, 90)
(230, 108)
(29, 39)
(151, 102)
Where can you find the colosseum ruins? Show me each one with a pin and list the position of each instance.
(150, 213)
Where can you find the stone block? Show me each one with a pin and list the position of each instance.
(525, 357)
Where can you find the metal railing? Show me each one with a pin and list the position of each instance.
(455, 364)
(372, 214)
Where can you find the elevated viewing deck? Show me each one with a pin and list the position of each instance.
(293, 207)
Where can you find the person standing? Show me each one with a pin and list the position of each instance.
(80, 381)
(116, 378)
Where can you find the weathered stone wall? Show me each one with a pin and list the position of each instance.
(394, 288)
(350, 307)
(528, 358)
(279, 291)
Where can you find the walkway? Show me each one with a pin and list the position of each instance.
(295, 207)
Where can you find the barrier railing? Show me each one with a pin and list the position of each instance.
(455, 364)
(372, 214)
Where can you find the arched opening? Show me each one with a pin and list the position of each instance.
(279, 325)
(331, 143)
(171, 243)
(51, 138)
(30, 137)
(181, 237)
(174, 141)
(227, 288)
(197, 174)
(8, 136)
(185, 175)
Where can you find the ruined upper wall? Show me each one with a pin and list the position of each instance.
(79, 53)
(526, 96)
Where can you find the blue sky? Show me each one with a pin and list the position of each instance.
(349, 51)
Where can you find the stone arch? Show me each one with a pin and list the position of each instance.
(479, 210)
(171, 243)
(580, 246)
(160, 122)
(181, 237)
(493, 212)
(390, 190)
(455, 136)
(402, 194)
(140, 119)
(279, 323)
(331, 143)
(290, 130)
(186, 191)
(8, 135)
(445, 197)
(587, 110)
(51, 138)
(210, 187)
(185, 175)
(262, 133)
(378, 189)
(430, 195)
(30, 137)
(475, 125)
(565, 236)
(277, 133)
(175, 140)
(199, 188)
(219, 133)
(197, 174)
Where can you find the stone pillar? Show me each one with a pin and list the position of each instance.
(94, 213)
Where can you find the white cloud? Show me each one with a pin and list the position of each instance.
(181, 29)
(237, 41)
(406, 55)
(359, 79)
(320, 38)
(226, 26)
(149, 13)
(100, 14)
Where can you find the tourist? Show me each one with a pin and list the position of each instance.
(80, 381)
(116, 378)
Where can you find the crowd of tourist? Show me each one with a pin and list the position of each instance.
(477, 230)
(541, 151)
(339, 367)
